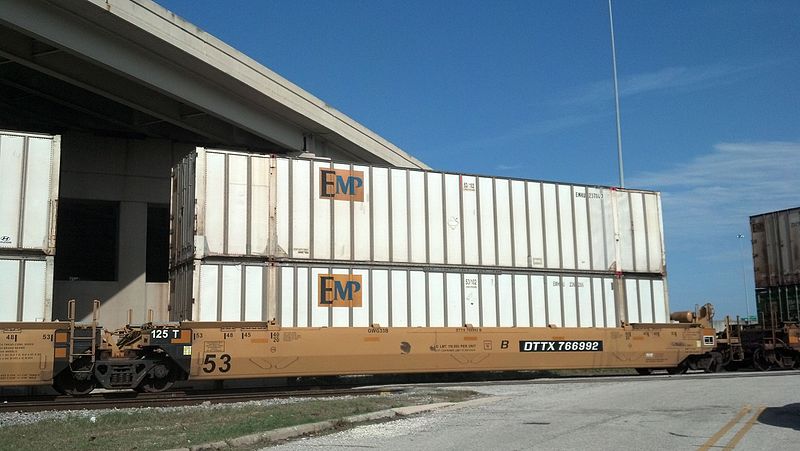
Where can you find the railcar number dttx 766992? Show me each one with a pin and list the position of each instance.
(561, 346)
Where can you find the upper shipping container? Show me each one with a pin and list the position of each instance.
(244, 205)
(29, 169)
(776, 248)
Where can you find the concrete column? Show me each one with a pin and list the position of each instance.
(131, 266)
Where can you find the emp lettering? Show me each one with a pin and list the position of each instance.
(561, 346)
(341, 184)
(339, 290)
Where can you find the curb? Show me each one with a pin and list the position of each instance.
(311, 428)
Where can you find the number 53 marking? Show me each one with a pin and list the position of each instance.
(210, 363)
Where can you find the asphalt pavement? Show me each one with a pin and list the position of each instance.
(745, 411)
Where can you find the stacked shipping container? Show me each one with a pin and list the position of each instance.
(776, 263)
(315, 243)
(29, 169)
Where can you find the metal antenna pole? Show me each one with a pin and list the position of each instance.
(616, 97)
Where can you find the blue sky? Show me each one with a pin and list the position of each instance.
(710, 99)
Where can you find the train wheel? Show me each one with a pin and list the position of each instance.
(732, 366)
(644, 371)
(154, 385)
(159, 378)
(714, 363)
(785, 359)
(66, 383)
(760, 361)
(677, 370)
(727, 357)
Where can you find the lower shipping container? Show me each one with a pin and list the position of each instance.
(26, 288)
(361, 296)
(783, 301)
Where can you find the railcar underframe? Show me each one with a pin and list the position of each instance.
(76, 358)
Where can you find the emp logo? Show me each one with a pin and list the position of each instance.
(341, 184)
(339, 290)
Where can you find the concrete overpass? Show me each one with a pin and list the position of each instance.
(131, 88)
(131, 67)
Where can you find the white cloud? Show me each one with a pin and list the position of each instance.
(593, 102)
(512, 135)
(668, 78)
(507, 167)
(717, 192)
(707, 202)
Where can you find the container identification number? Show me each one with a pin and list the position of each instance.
(164, 334)
(561, 346)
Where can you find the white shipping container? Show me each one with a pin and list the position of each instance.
(361, 296)
(245, 205)
(29, 169)
(776, 248)
(26, 288)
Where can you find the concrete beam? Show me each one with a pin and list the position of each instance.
(145, 42)
(72, 25)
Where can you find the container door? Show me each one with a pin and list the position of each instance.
(793, 272)
(29, 173)
(760, 257)
(183, 210)
(29, 169)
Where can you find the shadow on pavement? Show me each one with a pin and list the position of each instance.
(787, 416)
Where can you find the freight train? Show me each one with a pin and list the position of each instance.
(290, 267)
(763, 348)
(75, 358)
(775, 341)
(771, 344)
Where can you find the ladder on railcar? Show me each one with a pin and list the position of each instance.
(732, 337)
(86, 345)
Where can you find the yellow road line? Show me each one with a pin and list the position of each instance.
(724, 430)
(745, 429)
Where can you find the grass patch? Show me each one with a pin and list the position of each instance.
(156, 429)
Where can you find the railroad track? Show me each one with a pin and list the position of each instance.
(130, 399)
(186, 397)
(622, 378)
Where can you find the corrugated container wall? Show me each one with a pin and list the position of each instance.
(229, 204)
(312, 243)
(776, 248)
(29, 169)
(299, 295)
(26, 288)
(782, 301)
